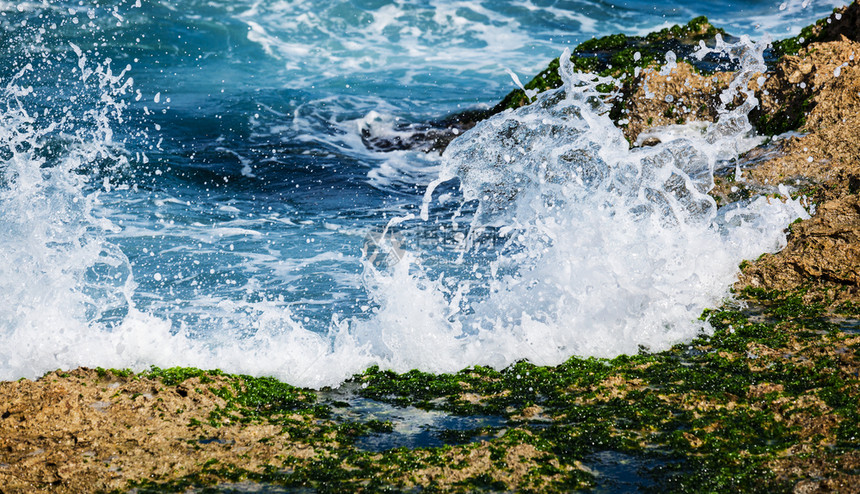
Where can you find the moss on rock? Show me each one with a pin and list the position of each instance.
(765, 403)
(616, 55)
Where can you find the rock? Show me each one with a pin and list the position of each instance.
(104, 432)
(682, 96)
(616, 55)
(819, 90)
(823, 251)
(843, 22)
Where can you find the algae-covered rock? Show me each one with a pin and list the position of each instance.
(822, 72)
(820, 89)
(94, 430)
(843, 22)
(620, 56)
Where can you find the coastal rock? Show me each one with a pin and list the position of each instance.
(823, 251)
(755, 390)
(814, 94)
(87, 431)
(810, 99)
(619, 56)
(825, 104)
(680, 96)
(843, 22)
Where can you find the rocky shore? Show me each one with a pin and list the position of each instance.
(769, 403)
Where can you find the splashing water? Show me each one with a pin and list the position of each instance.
(57, 271)
(606, 249)
(578, 246)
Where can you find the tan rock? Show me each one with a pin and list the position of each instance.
(682, 96)
(93, 434)
(822, 252)
(825, 248)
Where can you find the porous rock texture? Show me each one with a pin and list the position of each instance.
(86, 431)
(680, 96)
(823, 253)
(816, 94)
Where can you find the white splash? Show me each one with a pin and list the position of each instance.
(604, 249)
(58, 275)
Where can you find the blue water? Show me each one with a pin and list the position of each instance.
(185, 183)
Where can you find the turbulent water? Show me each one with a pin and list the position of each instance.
(186, 183)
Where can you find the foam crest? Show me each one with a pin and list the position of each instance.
(59, 276)
(577, 245)
(605, 249)
(421, 337)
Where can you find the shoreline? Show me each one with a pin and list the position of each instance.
(767, 403)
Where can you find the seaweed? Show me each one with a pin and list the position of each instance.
(617, 56)
(720, 412)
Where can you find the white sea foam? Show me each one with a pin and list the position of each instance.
(607, 249)
(782, 18)
(58, 275)
(602, 250)
(344, 39)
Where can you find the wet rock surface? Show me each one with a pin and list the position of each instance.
(428, 137)
(811, 98)
(823, 253)
(683, 95)
(768, 403)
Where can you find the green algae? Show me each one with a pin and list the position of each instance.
(848, 309)
(790, 115)
(615, 55)
(611, 42)
(809, 34)
(175, 375)
(547, 79)
(123, 373)
(697, 29)
(254, 399)
(717, 413)
(619, 56)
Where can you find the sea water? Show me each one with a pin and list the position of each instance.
(188, 183)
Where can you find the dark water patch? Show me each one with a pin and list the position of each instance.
(216, 440)
(408, 426)
(616, 472)
(846, 325)
(414, 428)
(242, 487)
